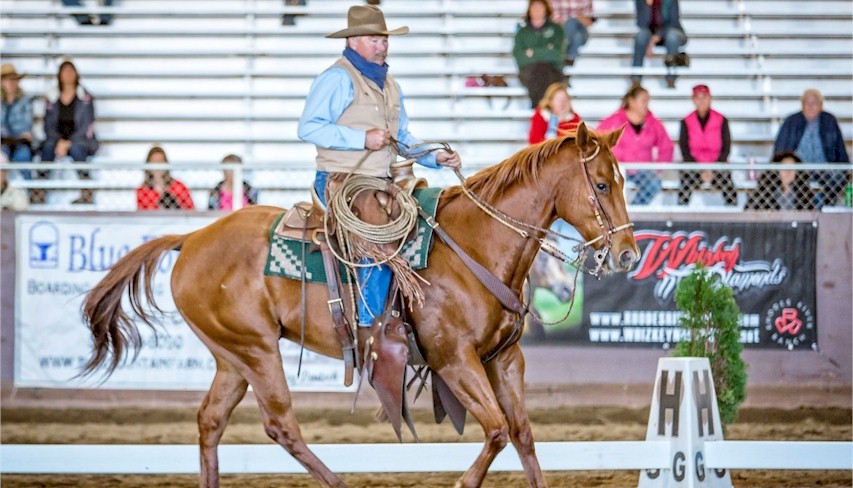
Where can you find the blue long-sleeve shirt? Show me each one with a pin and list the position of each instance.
(330, 94)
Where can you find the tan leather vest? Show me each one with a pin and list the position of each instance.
(371, 108)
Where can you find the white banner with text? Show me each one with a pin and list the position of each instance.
(60, 258)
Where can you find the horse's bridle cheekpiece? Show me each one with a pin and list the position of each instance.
(598, 209)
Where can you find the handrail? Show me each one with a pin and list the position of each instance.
(123, 164)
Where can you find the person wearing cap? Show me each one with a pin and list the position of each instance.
(353, 110)
(705, 138)
(69, 124)
(17, 124)
(816, 137)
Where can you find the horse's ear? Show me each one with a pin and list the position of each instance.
(612, 138)
(582, 139)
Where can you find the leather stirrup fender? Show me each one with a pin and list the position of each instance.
(386, 355)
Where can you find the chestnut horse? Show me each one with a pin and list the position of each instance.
(220, 290)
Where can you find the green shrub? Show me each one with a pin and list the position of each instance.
(710, 317)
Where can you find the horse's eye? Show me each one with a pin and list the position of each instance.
(602, 187)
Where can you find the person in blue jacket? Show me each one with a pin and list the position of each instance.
(816, 138)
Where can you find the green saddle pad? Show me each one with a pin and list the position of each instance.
(285, 254)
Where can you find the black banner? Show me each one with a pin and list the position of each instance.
(769, 266)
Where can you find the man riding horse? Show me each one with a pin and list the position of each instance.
(353, 112)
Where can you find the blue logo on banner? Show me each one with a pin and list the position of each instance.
(44, 245)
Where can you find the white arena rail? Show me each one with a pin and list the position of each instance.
(681, 443)
(413, 458)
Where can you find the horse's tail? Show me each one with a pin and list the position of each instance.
(113, 330)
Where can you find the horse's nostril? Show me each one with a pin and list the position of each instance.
(626, 258)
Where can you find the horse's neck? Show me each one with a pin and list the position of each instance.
(500, 249)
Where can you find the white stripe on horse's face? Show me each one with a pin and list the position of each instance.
(617, 174)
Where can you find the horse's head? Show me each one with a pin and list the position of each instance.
(592, 198)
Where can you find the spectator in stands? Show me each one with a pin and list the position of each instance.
(222, 195)
(658, 23)
(159, 191)
(17, 126)
(786, 189)
(705, 138)
(352, 111)
(816, 137)
(69, 125)
(86, 19)
(539, 49)
(644, 136)
(576, 16)
(11, 198)
(290, 19)
(553, 115)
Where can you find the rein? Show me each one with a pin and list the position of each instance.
(518, 227)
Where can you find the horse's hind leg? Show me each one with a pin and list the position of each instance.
(225, 393)
(506, 373)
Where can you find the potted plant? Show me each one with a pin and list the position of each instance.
(710, 317)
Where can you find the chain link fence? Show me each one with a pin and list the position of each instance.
(127, 186)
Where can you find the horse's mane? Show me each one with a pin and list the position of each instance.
(523, 166)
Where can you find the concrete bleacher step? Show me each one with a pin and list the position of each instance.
(209, 78)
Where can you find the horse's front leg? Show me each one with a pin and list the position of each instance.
(506, 373)
(467, 379)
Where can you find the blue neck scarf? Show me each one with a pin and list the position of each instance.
(370, 70)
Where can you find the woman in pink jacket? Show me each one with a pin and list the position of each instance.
(644, 140)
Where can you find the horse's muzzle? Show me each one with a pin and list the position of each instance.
(623, 261)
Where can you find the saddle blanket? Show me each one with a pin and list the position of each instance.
(285, 254)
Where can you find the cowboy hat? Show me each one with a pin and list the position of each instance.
(366, 20)
(8, 71)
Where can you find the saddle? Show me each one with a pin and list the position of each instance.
(382, 352)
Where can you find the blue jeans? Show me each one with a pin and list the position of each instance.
(85, 19)
(673, 39)
(375, 280)
(576, 35)
(78, 152)
(648, 185)
(20, 154)
(832, 184)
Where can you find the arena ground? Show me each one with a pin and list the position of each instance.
(177, 426)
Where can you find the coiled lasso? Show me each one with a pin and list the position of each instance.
(358, 239)
(346, 222)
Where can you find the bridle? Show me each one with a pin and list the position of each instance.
(598, 209)
(518, 226)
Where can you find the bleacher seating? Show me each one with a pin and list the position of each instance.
(224, 76)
